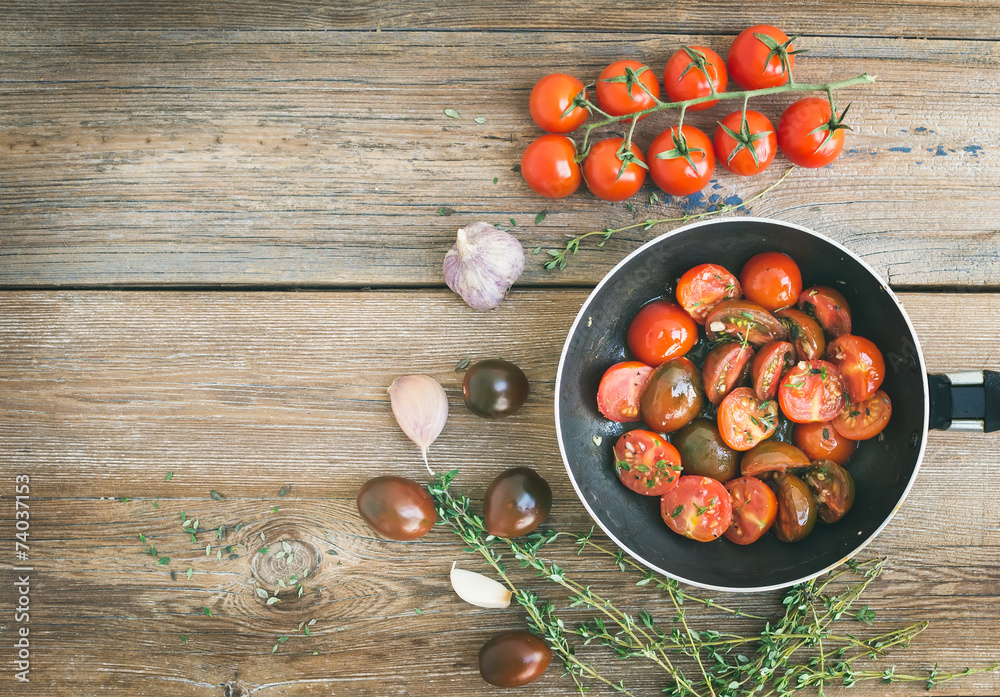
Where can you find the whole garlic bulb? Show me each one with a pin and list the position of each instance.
(482, 264)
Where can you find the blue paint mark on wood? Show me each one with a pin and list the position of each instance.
(734, 200)
(940, 152)
(900, 149)
(973, 150)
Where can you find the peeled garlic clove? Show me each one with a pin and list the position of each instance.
(483, 264)
(421, 409)
(479, 590)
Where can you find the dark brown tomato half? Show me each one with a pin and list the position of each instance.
(829, 308)
(804, 332)
(517, 502)
(618, 393)
(754, 510)
(772, 456)
(744, 420)
(742, 320)
(646, 463)
(702, 288)
(396, 507)
(725, 367)
(796, 508)
(704, 453)
(833, 488)
(769, 365)
(513, 659)
(812, 391)
(672, 397)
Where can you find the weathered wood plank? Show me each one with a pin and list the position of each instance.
(321, 158)
(246, 393)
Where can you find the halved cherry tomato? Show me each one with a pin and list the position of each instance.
(804, 332)
(681, 164)
(698, 507)
(700, 289)
(549, 166)
(829, 308)
(754, 509)
(833, 488)
(620, 388)
(769, 365)
(672, 397)
(772, 280)
(620, 88)
(772, 456)
(726, 366)
(861, 364)
(812, 391)
(610, 177)
(551, 103)
(796, 508)
(661, 330)
(692, 72)
(744, 321)
(751, 62)
(865, 419)
(745, 146)
(821, 441)
(646, 463)
(809, 134)
(744, 420)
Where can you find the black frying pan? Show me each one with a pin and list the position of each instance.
(883, 469)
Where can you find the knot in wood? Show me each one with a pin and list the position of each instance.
(235, 689)
(284, 564)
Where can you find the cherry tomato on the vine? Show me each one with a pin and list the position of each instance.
(627, 86)
(646, 463)
(700, 289)
(761, 56)
(612, 175)
(808, 133)
(549, 166)
(691, 73)
(661, 330)
(551, 103)
(745, 146)
(772, 280)
(681, 163)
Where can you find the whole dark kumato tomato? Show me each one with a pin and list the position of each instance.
(550, 168)
(513, 659)
(551, 100)
(396, 507)
(673, 396)
(516, 502)
(703, 452)
(494, 388)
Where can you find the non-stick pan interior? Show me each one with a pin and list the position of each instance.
(882, 467)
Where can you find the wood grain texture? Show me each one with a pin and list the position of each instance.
(104, 393)
(320, 158)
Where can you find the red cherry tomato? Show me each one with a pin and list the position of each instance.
(660, 331)
(691, 73)
(865, 419)
(772, 280)
(702, 288)
(549, 166)
(809, 135)
(620, 388)
(745, 147)
(606, 177)
(754, 508)
(681, 164)
(620, 88)
(812, 391)
(829, 308)
(769, 365)
(861, 364)
(726, 366)
(698, 507)
(646, 463)
(804, 332)
(744, 420)
(551, 103)
(821, 441)
(750, 61)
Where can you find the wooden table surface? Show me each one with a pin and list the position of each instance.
(219, 243)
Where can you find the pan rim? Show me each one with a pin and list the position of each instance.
(727, 221)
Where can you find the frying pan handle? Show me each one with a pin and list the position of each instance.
(968, 401)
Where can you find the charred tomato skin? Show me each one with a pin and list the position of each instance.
(726, 367)
(754, 510)
(673, 396)
(833, 488)
(770, 363)
(703, 453)
(513, 659)
(396, 507)
(517, 501)
(797, 510)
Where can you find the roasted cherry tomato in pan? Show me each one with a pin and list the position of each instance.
(754, 509)
(618, 393)
(683, 163)
(829, 308)
(809, 134)
(772, 456)
(769, 365)
(744, 420)
(752, 149)
(692, 72)
(833, 487)
(646, 463)
(605, 174)
(752, 61)
(517, 501)
(396, 507)
(700, 289)
(804, 333)
(704, 453)
(861, 364)
(796, 508)
(865, 419)
(821, 441)
(513, 659)
(551, 103)
(549, 166)
(726, 366)
(812, 391)
(698, 507)
(743, 321)
(661, 330)
(673, 396)
(627, 86)
(772, 280)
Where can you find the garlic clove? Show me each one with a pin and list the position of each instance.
(483, 264)
(420, 406)
(479, 590)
